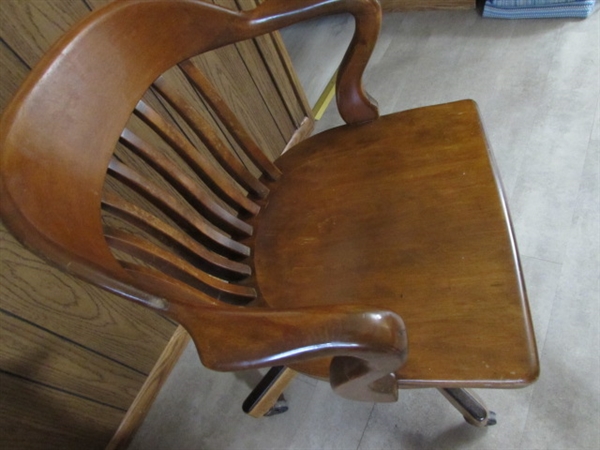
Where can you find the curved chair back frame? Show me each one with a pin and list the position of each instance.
(108, 63)
(58, 138)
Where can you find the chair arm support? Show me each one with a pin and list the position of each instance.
(367, 345)
(354, 104)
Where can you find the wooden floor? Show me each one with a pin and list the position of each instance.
(537, 85)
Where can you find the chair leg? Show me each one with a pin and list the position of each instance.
(266, 399)
(470, 406)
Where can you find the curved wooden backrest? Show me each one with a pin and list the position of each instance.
(73, 190)
(59, 133)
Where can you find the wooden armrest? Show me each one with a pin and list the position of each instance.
(367, 346)
(354, 104)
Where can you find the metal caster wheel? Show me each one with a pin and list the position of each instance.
(491, 419)
(481, 423)
(470, 406)
(278, 408)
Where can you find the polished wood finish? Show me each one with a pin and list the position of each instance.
(229, 119)
(209, 137)
(77, 193)
(413, 225)
(221, 185)
(382, 228)
(114, 344)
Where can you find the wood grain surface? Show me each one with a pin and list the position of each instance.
(413, 225)
(43, 417)
(141, 405)
(68, 338)
(380, 229)
(34, 354)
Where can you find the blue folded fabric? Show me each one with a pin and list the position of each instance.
(534, 9)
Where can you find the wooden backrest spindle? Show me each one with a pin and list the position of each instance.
(230, 120)
(219, 184)
(179, 242)
(186, 185)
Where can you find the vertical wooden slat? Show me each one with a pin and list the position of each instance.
(186, 217)
(178, 242)
(249, 52)
(185, 185)
(168, 264)
(228, 73)
(203, 129)
(261, 74)
(199, 162)
(272, 48)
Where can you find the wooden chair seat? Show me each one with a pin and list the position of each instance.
(403, 214)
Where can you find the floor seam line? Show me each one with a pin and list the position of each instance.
(365, 428)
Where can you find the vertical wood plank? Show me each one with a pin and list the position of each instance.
(72, 308)
(272, 48)
(12, 73)
(33, 353)
(257, 70)
(34, 416)
(29, 28)
(273, 52)
(230, 76)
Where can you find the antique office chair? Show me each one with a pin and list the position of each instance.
(377, 255)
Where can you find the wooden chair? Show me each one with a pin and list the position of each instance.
(359, 243)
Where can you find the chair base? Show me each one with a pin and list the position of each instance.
(267, 399)
(279, 407)
(470, 406)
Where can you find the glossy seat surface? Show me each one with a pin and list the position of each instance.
(404, 214)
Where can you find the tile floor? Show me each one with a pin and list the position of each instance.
(538, 85)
